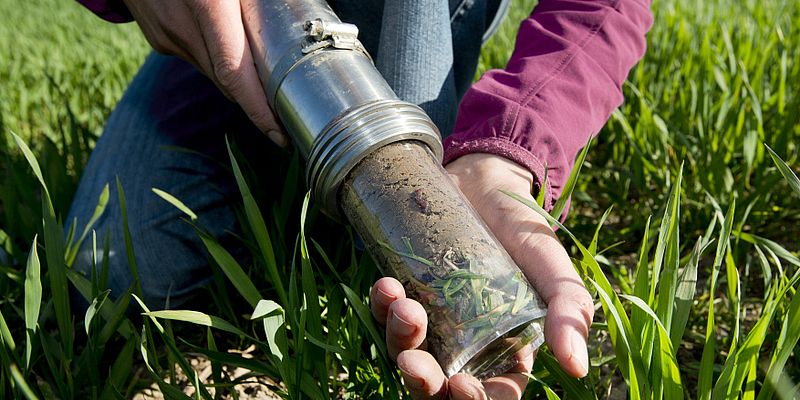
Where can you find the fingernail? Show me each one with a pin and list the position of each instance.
(385, 297)
(411, 380)
(401, 326)
(579, 353)
(277, 137)
(458, 392)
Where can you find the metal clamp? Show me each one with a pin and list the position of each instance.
(338, 35)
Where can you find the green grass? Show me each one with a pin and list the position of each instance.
(684, 226)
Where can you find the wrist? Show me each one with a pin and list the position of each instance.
(490, 171)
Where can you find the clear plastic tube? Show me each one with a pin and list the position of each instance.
(421, 230)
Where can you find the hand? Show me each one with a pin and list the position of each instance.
(534, 247)
(210, 35)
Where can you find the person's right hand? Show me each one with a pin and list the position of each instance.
(210, 35)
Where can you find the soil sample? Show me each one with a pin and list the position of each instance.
(420, 229)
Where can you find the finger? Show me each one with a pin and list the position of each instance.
(465, 387)
(511, 385)
(183, 32)
(178, 38)
(422, 375)
(569, 315)
(506, 386)
(384, 292)
(524, 357)
(569, 306)
(232, 63)
(406, 326)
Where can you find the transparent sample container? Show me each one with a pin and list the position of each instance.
(420, 229)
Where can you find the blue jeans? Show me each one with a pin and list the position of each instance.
(427, 50)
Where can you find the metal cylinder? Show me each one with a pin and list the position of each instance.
(323, 86)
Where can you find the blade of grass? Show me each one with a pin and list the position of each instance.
(114, 314)
(93, 308)
(198, 318)
(53, 356)
(772, 246)
(54, 245)
(368, 323)
(37, 171)
(668, 249)
(120, 370)
(569, 186)
(231, 268)
(593, 243)
(766, 270)
(750, 383)
(54, 254)
(22, 385)
(344, 353)
(173, 348)
(365, 317)
(33, 300)
(786, 345)
(5, 334)
(273, 322)
(176, 203)
(259, 228)
(129, 251)
(641, 287)
(668, 371)
(73, 247)
(216, 368)
(735, 299)
(312, 299)
(326, 260)
(573, 387)
(548, 392)
(704, 381)
(684, 295)
(542, 187)
(169, 391)
(785, 170)
(735, 369)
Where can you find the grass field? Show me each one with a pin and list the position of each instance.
(684, 226)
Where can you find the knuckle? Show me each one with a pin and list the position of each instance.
(263, 118)
(405, 306)
(199, 8)
(583, 302)
(226, 70)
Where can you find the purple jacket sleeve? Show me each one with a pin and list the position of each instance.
(109, 10)
(563, 81)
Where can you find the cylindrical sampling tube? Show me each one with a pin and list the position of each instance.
(420, 229)
(377, 158)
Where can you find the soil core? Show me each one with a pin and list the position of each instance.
(420, 229)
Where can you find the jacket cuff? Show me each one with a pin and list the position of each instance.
(454, 148)
(110, 10)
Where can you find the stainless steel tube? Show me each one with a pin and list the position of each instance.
(323, 86)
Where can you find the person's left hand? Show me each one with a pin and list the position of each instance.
(532, 244)
(210, 35)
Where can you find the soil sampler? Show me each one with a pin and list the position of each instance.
(375, 160)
